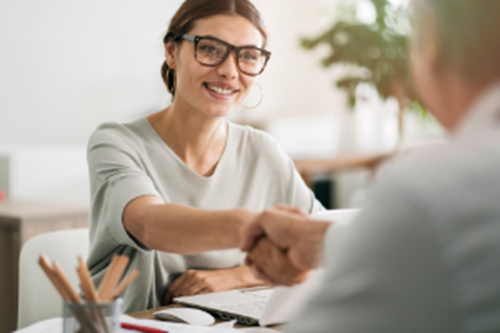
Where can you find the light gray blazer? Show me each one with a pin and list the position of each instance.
(424, 254)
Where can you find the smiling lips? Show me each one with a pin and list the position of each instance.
(222, 90)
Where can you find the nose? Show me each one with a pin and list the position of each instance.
(228, 68)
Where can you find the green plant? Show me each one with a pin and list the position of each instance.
(378, 51)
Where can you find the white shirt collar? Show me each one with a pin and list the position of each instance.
(484, 113)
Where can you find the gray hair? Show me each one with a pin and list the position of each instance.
(468, 34)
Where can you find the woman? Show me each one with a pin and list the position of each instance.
(174, 190)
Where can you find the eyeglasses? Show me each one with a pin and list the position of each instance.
(211, 51)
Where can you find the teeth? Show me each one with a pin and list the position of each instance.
(220, 90)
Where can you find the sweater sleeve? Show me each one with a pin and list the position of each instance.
(117, 176)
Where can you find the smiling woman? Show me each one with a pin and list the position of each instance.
(175, 190)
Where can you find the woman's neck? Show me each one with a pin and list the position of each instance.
(196, 139)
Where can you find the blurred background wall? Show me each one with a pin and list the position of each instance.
(67, 66)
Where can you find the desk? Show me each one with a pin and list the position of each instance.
(148, 314)
(308, 167)
(19, 221)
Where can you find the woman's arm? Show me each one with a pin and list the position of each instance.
(184, 230)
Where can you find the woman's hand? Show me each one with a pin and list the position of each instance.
(207, 281)
(290, 230)
(271, 264)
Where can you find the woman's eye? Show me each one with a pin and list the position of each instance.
(208, 49)
(248, 56)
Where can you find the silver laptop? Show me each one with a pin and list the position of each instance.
(266, 306)
(255, 306)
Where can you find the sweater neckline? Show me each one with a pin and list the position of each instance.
(183, 165)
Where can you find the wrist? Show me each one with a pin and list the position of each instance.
(246, 278)
(240, 219)
(310, 231)
(309, 240)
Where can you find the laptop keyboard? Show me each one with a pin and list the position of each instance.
(252, 309)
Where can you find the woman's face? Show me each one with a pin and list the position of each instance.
(214, 91)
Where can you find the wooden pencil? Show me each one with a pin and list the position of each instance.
(91, 320)
(98, 317)
(53, 272)
(87, 281)
(124, 283)
(84, 286)
(115, 273)
(104, 286)
(117, 276)
(73, 296)
(46, 265)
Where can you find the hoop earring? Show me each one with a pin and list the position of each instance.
(169, 71)
(260, 100)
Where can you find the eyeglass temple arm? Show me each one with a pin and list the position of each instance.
(189, 37)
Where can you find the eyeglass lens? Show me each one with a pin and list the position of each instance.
(211, 52)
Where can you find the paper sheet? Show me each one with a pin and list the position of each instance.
(54, 325)
(176, 327)
(259, 330)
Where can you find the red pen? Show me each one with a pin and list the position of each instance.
(144, 329)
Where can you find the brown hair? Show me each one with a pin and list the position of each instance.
(192, 10)
(468, 33)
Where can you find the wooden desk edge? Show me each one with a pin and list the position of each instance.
(340, 163)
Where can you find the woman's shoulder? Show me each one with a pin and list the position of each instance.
(256, 142)
(252, 136)
(115, 133)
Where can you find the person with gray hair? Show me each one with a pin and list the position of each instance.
(424, 253)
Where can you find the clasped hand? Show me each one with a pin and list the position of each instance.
(283, 245)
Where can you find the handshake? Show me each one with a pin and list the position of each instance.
(283, 245)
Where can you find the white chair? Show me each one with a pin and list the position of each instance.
(38, 299)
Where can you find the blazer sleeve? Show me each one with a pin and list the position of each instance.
(384, 271)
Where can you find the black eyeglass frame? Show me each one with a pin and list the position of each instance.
(230, 48)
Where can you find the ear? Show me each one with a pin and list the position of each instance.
(170, 54)
(434, 51)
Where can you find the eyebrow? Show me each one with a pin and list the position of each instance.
(248, 45)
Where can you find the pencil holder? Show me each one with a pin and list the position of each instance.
(92, 317)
